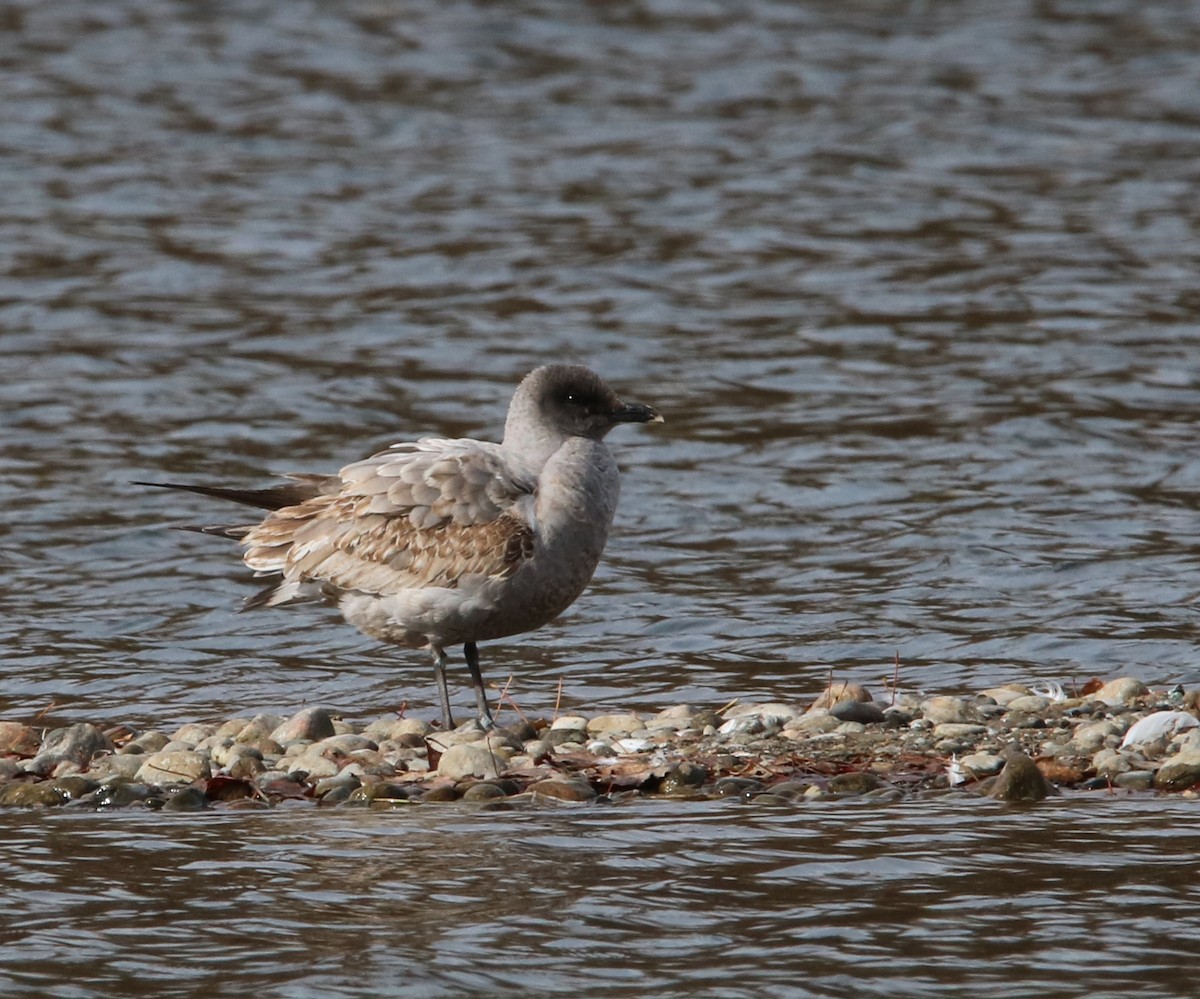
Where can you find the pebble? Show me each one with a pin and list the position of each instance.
(179, 766)
(470, 760)
(311, 724)
(1020, 780)
(849, 747)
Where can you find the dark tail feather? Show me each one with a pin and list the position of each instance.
(301, 488)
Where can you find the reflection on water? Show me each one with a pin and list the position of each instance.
(915, 288)
(726, 900)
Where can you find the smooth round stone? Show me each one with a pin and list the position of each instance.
(30, 796)
(147, 742)
(9, 769)
(315, 767)
(327, 784)
(192, 733)
(347, 743)
(312, 724)
(1028, 702)
(462, 736)
(443, 792)
(1179, 772)
(982, 764)
(1020, 780)
(850, 728)
(1123, 690)
(230, 728)
(1008, 693)
(483, 791)
(1023, 719)
(1135, 780)
(569, 721)
(1109, 763)
(186, 799)
(623, 723)
(372, 792)
(563, 790)
(181, 767)
(470, 760)
(537, 748)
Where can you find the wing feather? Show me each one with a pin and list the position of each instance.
(416, 515)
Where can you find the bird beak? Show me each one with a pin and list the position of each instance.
(635, 412)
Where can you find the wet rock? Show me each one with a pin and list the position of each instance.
(441, 792)
(483, 791)
(1179, 772)
(1124, 690)
(1135, 780)
(682, 778)
(470, 760)
(18, 740)
(856, 782)
(120, 794)
(180, 767)
(73, 787)
(19, 795)
(186, 799)
(563, 790)
(863, 712)
(381, 790)
(77, 743)
(737, 787)
(311, 724)
(1020, 780)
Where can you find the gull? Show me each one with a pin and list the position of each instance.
(443, 542)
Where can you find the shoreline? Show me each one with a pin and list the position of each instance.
(1010, 743)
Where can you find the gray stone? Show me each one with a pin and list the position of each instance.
(122, 766)
(570, 721)
(311, 724)
(1135, 780)
(77, 743)
(186, 799)
(1179, 772)
(147, 742)
(30, 796)
(1020, 780)
(180, 767)
(1031, 703)
(192, 733)
(470, 760)
(1123, 690)
(863, 712)
(957, 730)
(1092, 736)
(981, 765)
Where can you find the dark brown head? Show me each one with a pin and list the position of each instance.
(572, 400)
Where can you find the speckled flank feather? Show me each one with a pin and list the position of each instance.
(416, 515)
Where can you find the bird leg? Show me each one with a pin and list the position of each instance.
(471, 654)
(439, 676)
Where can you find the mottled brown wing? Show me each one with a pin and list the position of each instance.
(416, 515)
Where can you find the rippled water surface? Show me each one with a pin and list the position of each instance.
(916, 287)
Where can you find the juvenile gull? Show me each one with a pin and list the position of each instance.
(451, 542)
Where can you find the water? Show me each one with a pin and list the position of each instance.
(914, 285)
